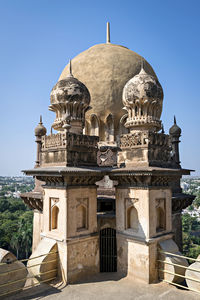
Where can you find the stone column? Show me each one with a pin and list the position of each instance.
(143, 218)
(70, 219)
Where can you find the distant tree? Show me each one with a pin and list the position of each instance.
(190, 226)
(15, 227)
(4, 205)
(15, 243)
(26, 231)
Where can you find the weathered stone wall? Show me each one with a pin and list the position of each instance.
(137, 243)
(77, 242)
(136, 259)
(37, 228)
(139, 199)
(145, 148)
(155, 196)
(58, 197)
(177, 229)
(86, 197)
(69, 149)
(83, 258)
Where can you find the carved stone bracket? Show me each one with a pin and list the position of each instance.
(33, 201)
(143, 180)
(181, 201)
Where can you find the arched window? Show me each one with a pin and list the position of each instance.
(132, 218)
(94, 130)
(81, 217)
(54, 217)
(160, 219)
(110, 128)
(136, 111)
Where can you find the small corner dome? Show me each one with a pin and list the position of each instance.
(40, 130)
(69, 89)
(175, 130)
(142, 86)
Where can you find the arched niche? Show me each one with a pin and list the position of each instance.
(132, 218)
(81, 217)
(160, 219)
(121, 128)
(109, 130)
(54, 217)
(94, 125)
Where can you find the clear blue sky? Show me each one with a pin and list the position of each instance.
(37, 38)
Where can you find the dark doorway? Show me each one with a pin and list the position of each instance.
(108, 250)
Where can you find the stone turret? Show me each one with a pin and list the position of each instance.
(70, 100)
(144, 145)
(40, 131)
(175, 133)
(143, 97)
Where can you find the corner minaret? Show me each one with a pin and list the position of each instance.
(175, 133)
(40, 131)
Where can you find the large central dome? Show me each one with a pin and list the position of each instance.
(105, 69)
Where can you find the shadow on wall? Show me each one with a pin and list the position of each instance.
(100, 277)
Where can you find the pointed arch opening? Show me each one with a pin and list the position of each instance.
(94, 125)
(54, 217)
(132, 218)
(160, 219)
(109, 128)
(81, 217)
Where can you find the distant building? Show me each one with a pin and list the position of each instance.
(185, 186)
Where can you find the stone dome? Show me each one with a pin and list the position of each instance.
(175, 130)
(69, 89)
(105, 69)
(70, 100)
(143, 97)
(142, 86)
(40, 130)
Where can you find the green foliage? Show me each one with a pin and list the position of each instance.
(191, 240)
(196, 201)
(15, 227)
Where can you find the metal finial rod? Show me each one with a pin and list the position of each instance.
(174, 119)
(70, 67)
(108, 33)
(41, 119)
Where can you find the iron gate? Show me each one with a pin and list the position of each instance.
(108, 250)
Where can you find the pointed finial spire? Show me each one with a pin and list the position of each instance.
(174, 119)
(162, 129)
(40, 119)
(108, 33)
(70, 69)
(142, 71)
